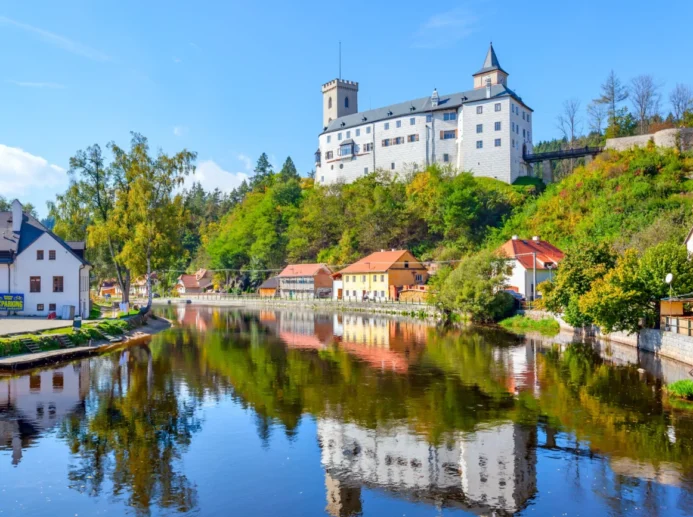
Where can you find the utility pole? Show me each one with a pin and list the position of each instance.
(534, 276)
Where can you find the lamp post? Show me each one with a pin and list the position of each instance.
(669, 278)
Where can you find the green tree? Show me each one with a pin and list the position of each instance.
(613, 92)
(288, 171)
(262, 172)
(476, 288)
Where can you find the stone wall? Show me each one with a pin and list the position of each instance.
(679, 137)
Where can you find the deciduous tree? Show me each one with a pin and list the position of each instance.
(681, 99)
(645, 97)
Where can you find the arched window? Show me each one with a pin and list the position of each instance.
(329, 103)
(346, 102)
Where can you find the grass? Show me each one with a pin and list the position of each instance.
(522, 324)
(681, 389)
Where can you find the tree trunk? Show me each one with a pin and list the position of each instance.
(150, 295)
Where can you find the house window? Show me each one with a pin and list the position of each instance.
(497, 106)
(419, 278)
(346, 279)
(368, 130)
(450, 116)
(57, 284)
(479, 110)
(365, 170)
(354, 293)
(39, 254)
(34, 284)
(406, 264)
(412, 121)
(429, 118)
(382, 294)
(413, 138)
(479, 144)
(58, 382)
(358, 132)
(39, 307)
(392, 166)
(329, 138)
(363, 278)
(497, 126)
(387, 125)
(382, 278)
(479, 128)
(51, 254)
(51, 307)
(368, 147)
(348, 135)
(353, 279)
(448, 135)
(446, 158)
(497, 142)
(398, 123)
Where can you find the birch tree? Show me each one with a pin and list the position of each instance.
(645, 98)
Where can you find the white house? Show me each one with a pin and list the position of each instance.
(39, 272)
(484, 130)
(533, 262)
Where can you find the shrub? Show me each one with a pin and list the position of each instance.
(682, 389)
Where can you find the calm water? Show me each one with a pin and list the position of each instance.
(291, 413)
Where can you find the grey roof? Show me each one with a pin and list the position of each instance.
(422, 105)
(491, 62)
(271, 283)
(12, 244)
(76, 245)
(350, 141)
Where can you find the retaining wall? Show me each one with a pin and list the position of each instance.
(677, 137)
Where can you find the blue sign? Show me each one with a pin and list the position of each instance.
(11, 302)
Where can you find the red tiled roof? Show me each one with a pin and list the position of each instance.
(302, 270)
(188, 281)
(377, 262)
(522, 250)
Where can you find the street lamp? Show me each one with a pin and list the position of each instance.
(668, 280)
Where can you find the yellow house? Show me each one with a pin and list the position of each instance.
(381, 276)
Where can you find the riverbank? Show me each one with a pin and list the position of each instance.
(131, 337)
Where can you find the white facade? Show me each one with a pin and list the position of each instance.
(481, 130)
(526, 279)
(60, 278)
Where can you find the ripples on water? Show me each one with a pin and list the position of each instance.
(296, 413)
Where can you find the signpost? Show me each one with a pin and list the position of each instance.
(11, 302)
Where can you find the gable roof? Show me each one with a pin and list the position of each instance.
(491, 62)
(188, 281)
(12, 243)
(523, 251)
(421, 105)
(379, 262)
(271, 283)
(303, 270)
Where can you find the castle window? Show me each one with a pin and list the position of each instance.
(346, 102)
(412, 121)
(479, 128)
(368, 147)
(497, 126)
(322, 179)
(446, 158)
(497, 142)
(348, 134)
(479, 144)
(358, 132)
(398, 123)
(329, 103)
(329, 155)
(450, 116)
(479, 110)
(329, 138)
(524, 134)
(365, 170)
(448, 135)
(387, 125)
(413, 138)
(341, 165)
(527, 117)
(339, 136)
(429, 118)
(512, 126)
(368, 130)
(392, 166)
(497, 106)
(386, 142)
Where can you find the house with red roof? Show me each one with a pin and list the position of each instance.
(381, 276)
(533, 261)
(198, 283)
(305, 281)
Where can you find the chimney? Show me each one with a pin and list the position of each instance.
(16, 216)
(434, 98)
(515, 237)
(535, 238)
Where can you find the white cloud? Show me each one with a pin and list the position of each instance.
(57, 40)
(180, 130)
(247, 162)
(29, 84)
(446, 29)
(29, 177)
(211, 176)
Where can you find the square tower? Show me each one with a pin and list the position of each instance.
(339, 98)
(491, 73)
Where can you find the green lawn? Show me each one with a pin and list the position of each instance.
(522, 324)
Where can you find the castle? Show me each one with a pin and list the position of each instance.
(483, 130)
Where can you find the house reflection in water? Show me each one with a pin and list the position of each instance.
(489, 470)
(34, 403)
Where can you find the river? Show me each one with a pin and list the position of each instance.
(264, 412)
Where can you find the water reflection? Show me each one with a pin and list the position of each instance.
(472, 420)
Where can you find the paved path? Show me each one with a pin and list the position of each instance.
(21, 325)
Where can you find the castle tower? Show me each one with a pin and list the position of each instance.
(339, 98)
(491, 72)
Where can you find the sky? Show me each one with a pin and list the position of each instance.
(231, 80)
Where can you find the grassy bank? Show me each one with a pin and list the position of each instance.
(522, 325)
(682, 389)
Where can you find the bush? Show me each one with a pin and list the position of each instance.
(682, 389)
(522, 324)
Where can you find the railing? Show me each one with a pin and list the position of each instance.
(562, 155)
(682, 326)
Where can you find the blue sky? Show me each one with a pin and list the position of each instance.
(232, 79)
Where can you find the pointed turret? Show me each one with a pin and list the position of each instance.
(490, 71)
